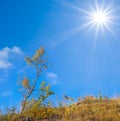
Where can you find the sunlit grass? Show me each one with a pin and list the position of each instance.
(87, 109)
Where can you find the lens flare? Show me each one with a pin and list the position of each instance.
(99, 16)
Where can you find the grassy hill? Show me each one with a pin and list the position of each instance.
(87, 109)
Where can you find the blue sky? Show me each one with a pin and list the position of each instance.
(82, 62)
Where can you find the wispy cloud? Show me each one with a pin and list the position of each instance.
(5, 54)
(52, 77)
(23, 69)
(4, 75)
(6, 94)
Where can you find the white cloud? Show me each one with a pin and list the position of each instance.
(5, 55)
(16, 50)
(53, 78)
(4, 64)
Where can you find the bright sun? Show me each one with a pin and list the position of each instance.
(99, 18)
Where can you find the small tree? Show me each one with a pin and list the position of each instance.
(39, 62)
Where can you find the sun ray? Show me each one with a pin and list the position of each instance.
(87, 24)
(97, 16)
(101, 17)
(110, 30)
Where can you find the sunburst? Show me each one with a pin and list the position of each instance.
(99, 17)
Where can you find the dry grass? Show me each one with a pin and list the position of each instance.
(87, 109)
